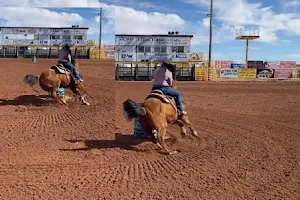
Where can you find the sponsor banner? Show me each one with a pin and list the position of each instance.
(237, 65)
(7, 42)
(127, 57)
(228, 73)
(283, 73)
(168, 41)
(255, 64)
(287, 64)
(181, 41)
(145, 56)
(272, 65)
(222, 64)
(126, 40)
(180, 56)
(162, 56)
(109, 50)
(265, 73)
(247, 73)
(110, 53)
(145, 40)
(127, 49)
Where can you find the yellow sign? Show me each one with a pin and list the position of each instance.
(201, 74)
(297, 73)
(247, 73)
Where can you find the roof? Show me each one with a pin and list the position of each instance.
(156, 35)
(44, 27)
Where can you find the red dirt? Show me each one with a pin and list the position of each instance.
(248, 147)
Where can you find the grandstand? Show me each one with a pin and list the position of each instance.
(44, 42)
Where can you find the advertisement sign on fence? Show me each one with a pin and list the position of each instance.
(265, 73)
(283, 73)
(272, 64)
(255, 64)
(287, 64)
(228, 73)
(237, 65)
(247, 73)
(222, 64)
(127, 57)
(145, 56)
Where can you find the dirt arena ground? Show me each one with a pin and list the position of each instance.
(248, 147)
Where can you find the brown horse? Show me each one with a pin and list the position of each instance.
(57, 76)
(154, 114)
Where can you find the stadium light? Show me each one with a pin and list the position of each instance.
(210, 39)
(100, 30)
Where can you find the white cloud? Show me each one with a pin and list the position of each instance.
(292, 55)
(253, 15)
(21, 16)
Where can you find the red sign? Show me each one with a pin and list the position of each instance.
(109, 48)
(287, 64)
(222, 64)
(283, 73)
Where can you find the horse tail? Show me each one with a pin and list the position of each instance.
(31, 79)
(132, 109)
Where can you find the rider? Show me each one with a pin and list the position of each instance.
(162, 79)
(64, 58)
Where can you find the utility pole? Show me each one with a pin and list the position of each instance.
(100, 31)
(210, 41)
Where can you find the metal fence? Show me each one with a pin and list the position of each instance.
(39, 52)
(142, 73)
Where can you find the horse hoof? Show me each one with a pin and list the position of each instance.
(172, 152)
(195, 133)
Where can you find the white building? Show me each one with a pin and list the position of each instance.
(43, 36)
(135, 48)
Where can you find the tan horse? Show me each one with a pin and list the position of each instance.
(57, 76)
(155, 113)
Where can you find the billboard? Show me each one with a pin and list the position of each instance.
(255, 64)
(229, 73)
(222, 64)
(43, 36)
(109, 50)
(265, 73)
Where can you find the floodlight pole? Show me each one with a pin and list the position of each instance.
(100, 31)
(210, 40)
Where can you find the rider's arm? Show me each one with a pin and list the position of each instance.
(152, 75)
(169, 77)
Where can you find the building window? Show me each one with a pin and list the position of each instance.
(141, 49)
(174, 49)
(144, 49)
(147, 49)
(55, 37)
(160, 49)
(67, 37)
(78, 37)
(157, 49)
(180, 49)
(163, 49)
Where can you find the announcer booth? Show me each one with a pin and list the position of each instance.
(137, 55)
(44, 42)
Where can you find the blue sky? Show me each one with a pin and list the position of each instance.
(277, 20)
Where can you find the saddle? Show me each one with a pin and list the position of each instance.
(162, 97)
(61, 69)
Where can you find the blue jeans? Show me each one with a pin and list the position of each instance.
(168, 90)
(73, 69)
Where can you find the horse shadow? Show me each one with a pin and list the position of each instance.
(126, 142)
(25, 100)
